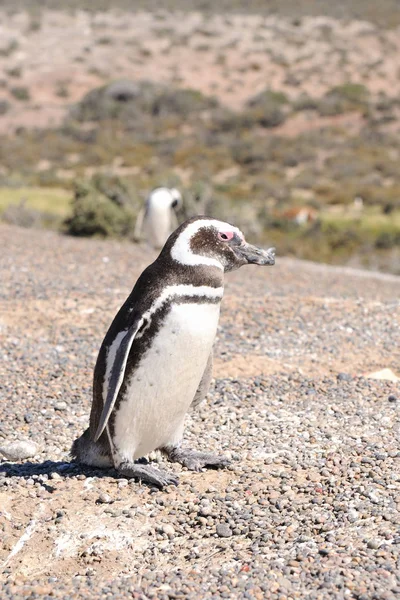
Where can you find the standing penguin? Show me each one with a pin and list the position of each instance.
(157, 219)
(156, 358)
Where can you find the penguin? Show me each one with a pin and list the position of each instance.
(155, 362)
(157, 219)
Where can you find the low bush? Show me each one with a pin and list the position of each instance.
(267, 109)
(344, 98)
(4, 107)
(25, 216)
(20, 93)
(101, 207)
(128, 101)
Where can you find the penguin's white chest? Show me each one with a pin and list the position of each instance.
(161, 389)
(158, 224)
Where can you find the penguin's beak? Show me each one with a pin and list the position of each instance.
(255, 256)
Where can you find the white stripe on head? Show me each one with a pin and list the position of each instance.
(161, 198)
(176, 196)
(181, 251)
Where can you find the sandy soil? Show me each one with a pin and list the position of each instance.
(232, 57)
(298, 324)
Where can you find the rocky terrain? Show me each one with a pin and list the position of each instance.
(310, 506)
(232, 56)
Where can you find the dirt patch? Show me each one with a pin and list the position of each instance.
(298, 435)
(231, 57)
(248, 366)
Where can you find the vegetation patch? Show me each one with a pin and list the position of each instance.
(125, 138)
(56, 201)
(21, 93)
(344, 98)
(129, 101)
(102, 207)
(267, 109)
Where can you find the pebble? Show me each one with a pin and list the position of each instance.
(19, 450)
(352, 515)
(314, 474)
(168, 529)
(205, 511)
(344, 377)
(104, 499)
(374, 544)
(223, 530)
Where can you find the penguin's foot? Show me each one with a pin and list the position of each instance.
(147, 474)
(194, 460)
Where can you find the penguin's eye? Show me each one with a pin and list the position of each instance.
(225, 236)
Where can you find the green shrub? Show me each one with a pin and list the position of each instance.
(344, 98)
(181, 102)
(14, 72)
(305, 102)
(20, 93)
(4, 106)
(21, 215)
(248, 153)
(9, 49)
(118, 100)
(26, 216)
(266, 109)
(105, 40)
(101, 208)
(130, 101)
(62, 90)
(355, 93)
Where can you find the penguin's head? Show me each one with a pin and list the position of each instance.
(176, 198)
(164, 198)
(206, 241)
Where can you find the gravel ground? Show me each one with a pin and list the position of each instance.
(310, 506)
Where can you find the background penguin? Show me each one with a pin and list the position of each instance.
(157, 219)
(156, 358)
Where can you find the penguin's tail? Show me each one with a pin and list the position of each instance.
(77, 447)
(84, 450)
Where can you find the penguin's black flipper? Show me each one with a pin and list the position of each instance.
(117, 375)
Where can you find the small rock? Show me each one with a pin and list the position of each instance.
(374, 544)
(104, 499)
(392, 398)
(19, 450)
(168, 530)
(205, 511)
(60, 405)
(352, 515)
(223, 530)
(344, 377)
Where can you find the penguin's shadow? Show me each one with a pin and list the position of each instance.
(27, 470)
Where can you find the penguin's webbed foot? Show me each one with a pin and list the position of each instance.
(147, 474)
(194, 460)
